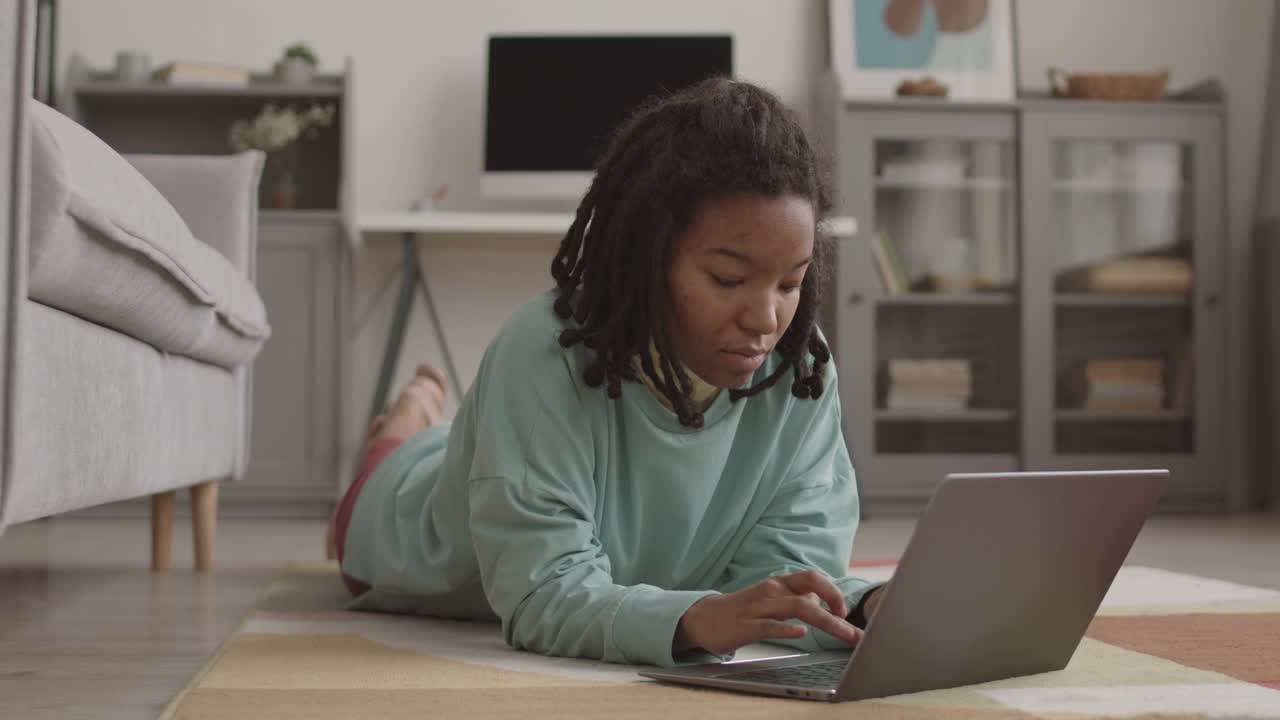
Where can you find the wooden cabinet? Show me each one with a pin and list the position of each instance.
(1036, 285)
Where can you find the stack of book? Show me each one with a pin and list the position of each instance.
(1117, 385)
(933, 384)
(186, 72)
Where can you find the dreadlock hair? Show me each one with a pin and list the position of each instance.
(718, 138)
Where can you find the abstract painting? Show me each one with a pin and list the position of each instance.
(966, 45)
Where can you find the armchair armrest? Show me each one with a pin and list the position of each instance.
(217, 197)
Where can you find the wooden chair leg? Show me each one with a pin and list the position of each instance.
(161, 529)
(204, 522)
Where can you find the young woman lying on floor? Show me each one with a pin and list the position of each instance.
(649, 466)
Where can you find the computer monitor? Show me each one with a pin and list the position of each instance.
(553, 101)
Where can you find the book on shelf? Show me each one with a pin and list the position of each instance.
(883, 269)
(1116, 385)
(187, 72)
(1124, 391)
(930, 370)
(889, 263)
(1131, 397)
(914, 402)
(963, 390)
(929, 384)
(1149, 370)
(1138, 275)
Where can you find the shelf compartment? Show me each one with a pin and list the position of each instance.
(1116, 436)
(1089, 332)
(153, 124)
(984, 334)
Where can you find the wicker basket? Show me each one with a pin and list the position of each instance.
(1108, 86)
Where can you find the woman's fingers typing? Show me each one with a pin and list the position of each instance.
(819, 584)
(801, 607)
(767, 610)
(770, 629)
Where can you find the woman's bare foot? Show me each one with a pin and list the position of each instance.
(418, 406)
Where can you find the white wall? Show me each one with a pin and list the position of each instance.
(419, 67)
(419, 79)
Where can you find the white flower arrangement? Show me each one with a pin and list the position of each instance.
(276, 128)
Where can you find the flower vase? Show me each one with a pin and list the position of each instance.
(284, 193)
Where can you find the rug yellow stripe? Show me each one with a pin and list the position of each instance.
(616, 702)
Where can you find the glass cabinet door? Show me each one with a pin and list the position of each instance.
(1123, 327)
(1121, 234)
(942, 240)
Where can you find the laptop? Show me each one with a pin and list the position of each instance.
(1000, 579)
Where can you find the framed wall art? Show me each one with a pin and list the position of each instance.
(963, 46)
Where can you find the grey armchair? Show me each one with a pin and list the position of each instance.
(128, 315)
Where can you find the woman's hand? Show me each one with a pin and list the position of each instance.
(873, 602)
(721, 624)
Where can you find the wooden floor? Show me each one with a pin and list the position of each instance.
(86, 631)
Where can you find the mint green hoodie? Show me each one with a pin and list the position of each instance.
(589, 525)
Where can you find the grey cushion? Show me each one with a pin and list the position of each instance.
(107, 246)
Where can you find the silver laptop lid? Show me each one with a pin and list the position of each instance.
(1001, 578)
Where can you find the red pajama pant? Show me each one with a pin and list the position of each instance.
(376, 453)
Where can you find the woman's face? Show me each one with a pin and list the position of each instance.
(734, 283)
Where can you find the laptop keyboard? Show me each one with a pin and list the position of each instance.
(815, 675)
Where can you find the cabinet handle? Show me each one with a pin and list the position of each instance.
(855, 298)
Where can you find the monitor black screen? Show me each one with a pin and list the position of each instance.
(553, 101)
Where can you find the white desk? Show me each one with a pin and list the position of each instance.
(414, 223)
(466, 223)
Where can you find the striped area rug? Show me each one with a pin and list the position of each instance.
(1164, 644)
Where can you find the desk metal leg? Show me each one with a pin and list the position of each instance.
(439, 330)
(399, 319)
(411, 277)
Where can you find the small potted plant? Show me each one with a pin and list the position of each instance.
(298, 66)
